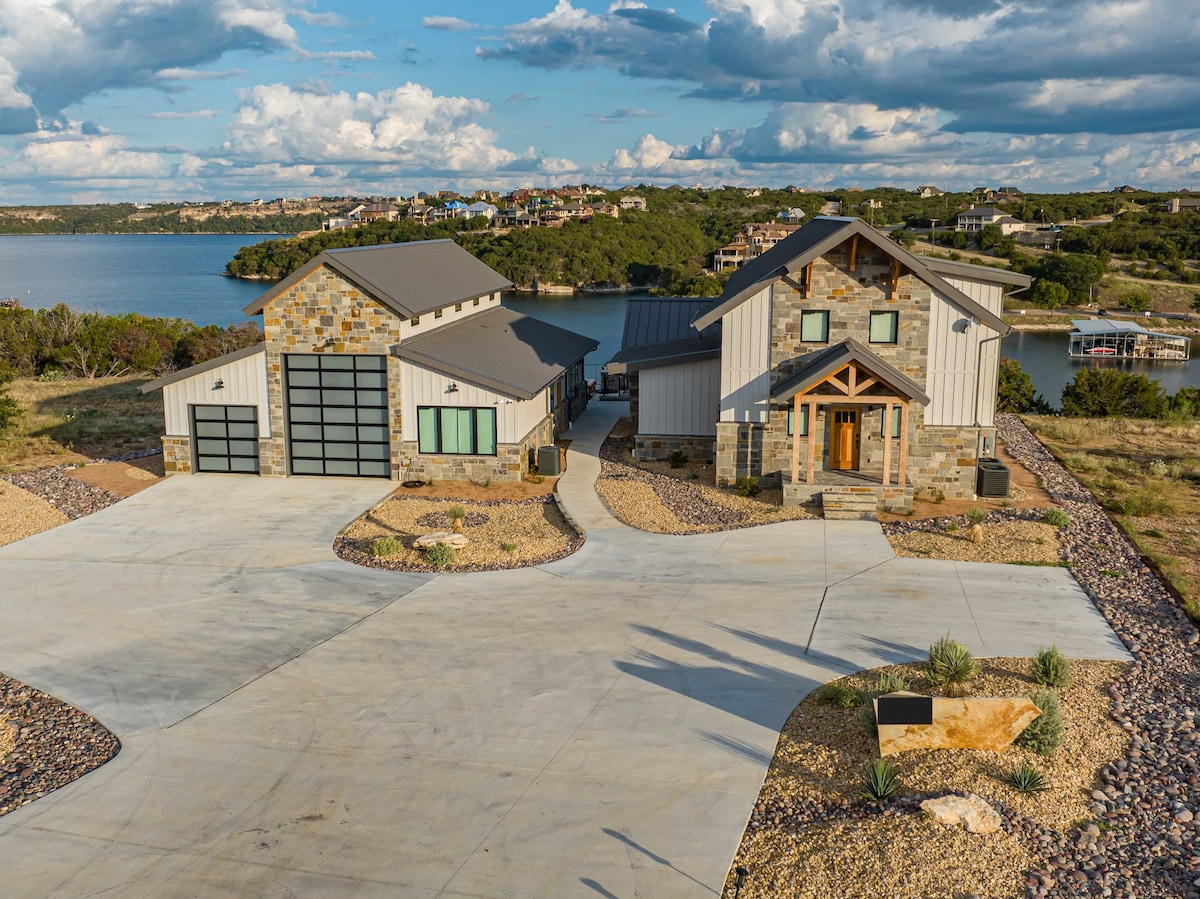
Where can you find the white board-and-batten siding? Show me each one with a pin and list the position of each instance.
(245, 384)
(421, 386)
(960, 376)
(680, 400)
(746, 360)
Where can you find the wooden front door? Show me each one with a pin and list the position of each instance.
(844, 438)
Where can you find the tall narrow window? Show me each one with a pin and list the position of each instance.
(803, 421)
(456, 430)
(884, 327)
(896, 413)
(814, 326)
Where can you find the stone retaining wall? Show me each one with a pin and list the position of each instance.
(658, 448)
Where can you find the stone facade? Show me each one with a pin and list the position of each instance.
(511, 462)
(325, 313)
(177, 455)
(937, 456)
(650, 447)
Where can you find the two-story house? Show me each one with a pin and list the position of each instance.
(387, 361)
(835, 358)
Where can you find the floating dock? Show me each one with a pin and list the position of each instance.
(1101, 338)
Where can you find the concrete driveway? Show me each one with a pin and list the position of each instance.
(598, 727)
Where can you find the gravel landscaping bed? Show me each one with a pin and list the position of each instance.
(653, 496)
(1138, 836)
(23, 514)
(71, 497)
(1008, 537)
(55, 744)
(535, 530)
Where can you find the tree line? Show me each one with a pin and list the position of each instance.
(126, 218)
(62, 342)
(1097, 393)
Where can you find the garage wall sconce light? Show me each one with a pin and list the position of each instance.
(218, 384)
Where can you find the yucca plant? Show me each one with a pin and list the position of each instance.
(951, 667)
(1050, 668)
(1025, 778)
(880, 781)
(456, 514)
(839, 695)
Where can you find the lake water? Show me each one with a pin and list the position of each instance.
(179, 276)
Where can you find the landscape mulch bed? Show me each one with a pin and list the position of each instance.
(55, 744)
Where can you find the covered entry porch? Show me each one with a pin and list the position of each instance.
(829, 397)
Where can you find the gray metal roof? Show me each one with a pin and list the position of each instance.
(658, 331)
(1095, 327)
(820, 236)
(976, 272)
(409, 278)
(500, 349)
(825, 362)
(200, 369)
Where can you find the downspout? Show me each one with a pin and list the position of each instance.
(979, 371)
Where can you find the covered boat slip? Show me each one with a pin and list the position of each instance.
(1098, 338)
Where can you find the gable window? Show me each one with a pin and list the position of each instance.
(415, 320)
(803, 421)
(437, 313)
(896, 413)
(458, 307)
(884, 327)
(456, 430)
(475, 302)
(814, 326)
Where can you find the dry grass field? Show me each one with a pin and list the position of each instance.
(1147, 474)
(65, 422)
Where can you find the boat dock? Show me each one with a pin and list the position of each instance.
(1099, 338)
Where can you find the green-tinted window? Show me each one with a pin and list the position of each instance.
(803, 421)
(455, 429)
(896, 413)
(884, 327)
(814, 327)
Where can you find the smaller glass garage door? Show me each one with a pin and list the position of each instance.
(337, 415)
(226, 438)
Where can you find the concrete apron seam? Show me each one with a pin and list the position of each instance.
(824, 593)
(623, 668)
(296, 656)
(967, 603)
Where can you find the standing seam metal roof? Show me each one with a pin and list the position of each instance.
(500, 349)
(409, 278)
(819, 236)
(658, 331)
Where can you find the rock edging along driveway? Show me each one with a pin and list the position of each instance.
(1149, 802)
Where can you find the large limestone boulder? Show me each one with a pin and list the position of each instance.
(458, 541)
(990, 723)
(970, 811)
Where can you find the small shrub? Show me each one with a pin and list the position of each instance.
(879, 781)
(867, 714)
(952, 527)
(747, 485)
(385, 546)
(951, 666)
(429, 482)
(1081, 462)
(1044, 733)
(1025, 778)
(839, 695)
(678, 459)
(1050, 668)
(1158, 469)
(509, 547)
(535, 478)
(52, 374)
(441, 555)
(977, 515)
(890, 682)
(1147, 500)
(1057, 517)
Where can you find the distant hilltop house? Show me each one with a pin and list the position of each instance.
(756, 238)
(633, 201)
(925, 191)
(976, 218)
(790, 216)
(1125, 189)
(1183, 204)
(393, 361)
(836, 363)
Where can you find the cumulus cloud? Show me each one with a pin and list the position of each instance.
(446, 23)
(76, 153)
(407, 126)
(1024, 66)
(59, 51)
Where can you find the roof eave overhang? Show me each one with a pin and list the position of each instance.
(616, 367)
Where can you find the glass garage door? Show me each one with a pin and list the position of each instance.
(226, 438)
(338, 415)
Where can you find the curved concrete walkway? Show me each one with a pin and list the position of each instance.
(295, 726)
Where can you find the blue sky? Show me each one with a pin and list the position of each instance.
(114, 100)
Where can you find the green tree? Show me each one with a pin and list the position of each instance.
(1079, 274)
(9, 410)
(1015, 390)
(904, 237)
(1136, 298)
(990, 237)
(1104, 392)
(1196, 302)
(1049, 294)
